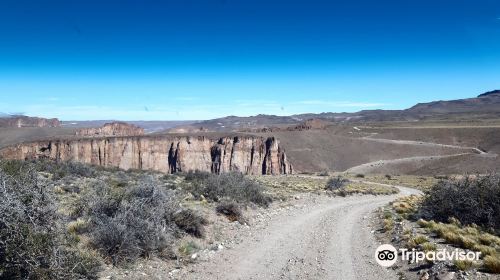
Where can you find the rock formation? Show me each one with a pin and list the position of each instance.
(25, 121)
(112, 129)
(169, 154)
(311, 124)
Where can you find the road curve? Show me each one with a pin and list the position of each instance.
(328, 241)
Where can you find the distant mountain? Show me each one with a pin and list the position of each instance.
(493, 92)
(234, 123)
(486, 102)
(19, 121)
(485, 106)
(149, 126)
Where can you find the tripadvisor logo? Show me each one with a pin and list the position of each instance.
(386, 255)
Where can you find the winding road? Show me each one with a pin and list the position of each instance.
(326, 241)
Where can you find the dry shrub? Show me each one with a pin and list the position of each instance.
(336, 183)
(472, 200)
(137, 222)
(190, 222)
(231, 210)
(231, 186)
(32, 242)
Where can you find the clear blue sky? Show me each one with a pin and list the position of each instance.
(200, 59)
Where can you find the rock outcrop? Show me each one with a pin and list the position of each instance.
(311, 124)
(112, 129)
(25, 121)
(169, 154)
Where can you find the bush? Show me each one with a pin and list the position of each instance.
(197, 175)
(232, 186)
(360, 175)
(336, 183)
(190, 222)
(324, 174)
(470, 201)
(32, 243)
(57, 170)
(137, 222)
(231, 210)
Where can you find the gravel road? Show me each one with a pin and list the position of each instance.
(327, 240)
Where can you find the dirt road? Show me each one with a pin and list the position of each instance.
(329, 240)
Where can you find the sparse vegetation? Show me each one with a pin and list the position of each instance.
(418, 182)
(232, 186)
(33, 244)
(63, 220)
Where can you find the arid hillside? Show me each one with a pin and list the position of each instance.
(394, 150)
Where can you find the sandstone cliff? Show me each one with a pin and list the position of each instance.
(169, 154)
(25, 121)
(112, 129)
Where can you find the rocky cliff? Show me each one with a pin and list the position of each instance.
(112, 129)
(169, 154)
(24, 121)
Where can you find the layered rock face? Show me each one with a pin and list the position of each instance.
(247, 154)
(24, 121)
(112, 129)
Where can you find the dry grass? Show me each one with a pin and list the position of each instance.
(469, 237)
(417, 182)
(363, 188)
(291, 184)
(465, 265)
(428, 246)
(78, 226)
(388, 225)
(492, 263)
(406, 206)
(417, 240)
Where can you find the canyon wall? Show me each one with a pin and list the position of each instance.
(169, 154)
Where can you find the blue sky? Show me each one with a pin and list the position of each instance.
(201, 59)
